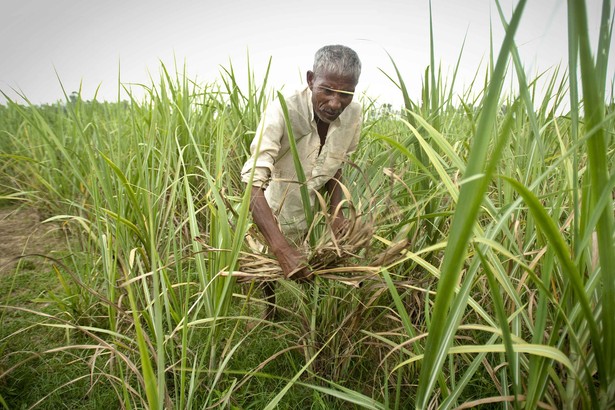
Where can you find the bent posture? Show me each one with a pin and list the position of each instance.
(326, 124)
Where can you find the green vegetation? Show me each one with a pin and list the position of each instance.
(502, 292)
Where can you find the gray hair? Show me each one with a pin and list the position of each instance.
(337, 59)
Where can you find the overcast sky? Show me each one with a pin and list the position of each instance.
(91, 42)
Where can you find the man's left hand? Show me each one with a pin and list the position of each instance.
(340, 226)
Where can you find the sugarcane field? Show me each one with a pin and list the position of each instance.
(235, 244)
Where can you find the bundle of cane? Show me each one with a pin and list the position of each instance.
(343, 255)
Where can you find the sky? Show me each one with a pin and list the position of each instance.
(45, 44)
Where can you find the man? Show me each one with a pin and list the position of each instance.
(326, 124)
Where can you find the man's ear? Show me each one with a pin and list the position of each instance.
(310, 79)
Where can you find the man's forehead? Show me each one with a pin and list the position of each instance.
(336, 81)
(336, 90)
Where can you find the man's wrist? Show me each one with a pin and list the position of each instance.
(281, 250)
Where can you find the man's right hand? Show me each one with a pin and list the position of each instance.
(291, 261)
(293, 264)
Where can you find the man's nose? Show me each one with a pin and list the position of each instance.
(335, 102)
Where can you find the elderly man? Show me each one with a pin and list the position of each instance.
(326, 125)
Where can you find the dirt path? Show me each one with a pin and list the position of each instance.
(21, 233)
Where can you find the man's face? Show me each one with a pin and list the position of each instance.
(331, 94)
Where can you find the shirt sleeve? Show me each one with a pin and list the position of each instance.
(265, 147)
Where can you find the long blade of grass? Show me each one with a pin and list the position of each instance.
(563, 253)
(347, 395)
(598, 173)
(274, 402)
(538, 350)
(513, 358)
(305, 195)
(523, 90)
(471, 193)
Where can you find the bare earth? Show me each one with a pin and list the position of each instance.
(22, 233)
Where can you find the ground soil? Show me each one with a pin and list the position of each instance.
(22, 232)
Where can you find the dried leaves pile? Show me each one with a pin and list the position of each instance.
(348, 258)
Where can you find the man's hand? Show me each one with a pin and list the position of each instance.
(291, 261)
(339, 225)
(293, 264)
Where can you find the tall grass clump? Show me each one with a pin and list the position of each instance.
(141, 182)
(483, 274)
(512, 240)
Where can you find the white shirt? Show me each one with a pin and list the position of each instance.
(273, 164)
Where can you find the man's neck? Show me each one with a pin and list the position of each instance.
(322, 128)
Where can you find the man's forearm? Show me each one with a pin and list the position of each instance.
(334, 188)
(265, 221)
(335, 191)
(290, 259)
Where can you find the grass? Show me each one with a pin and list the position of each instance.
(58, 379)
(499, 294)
